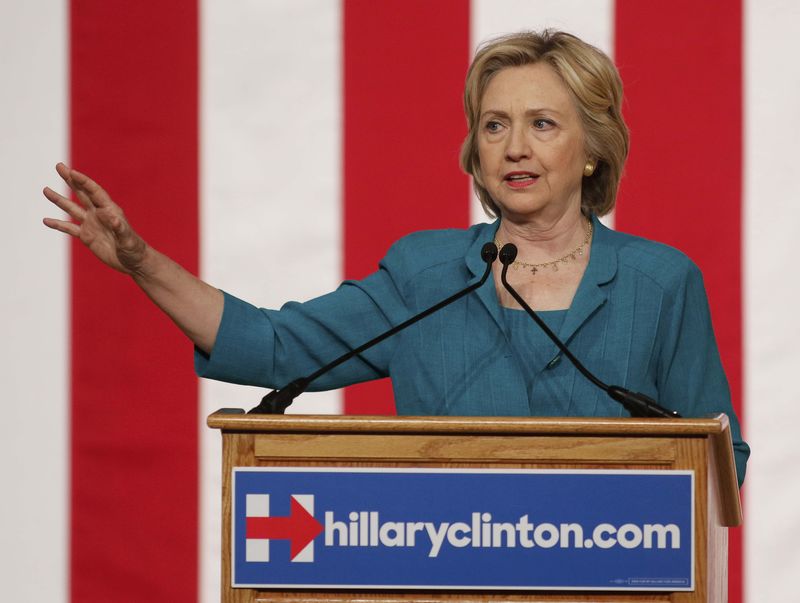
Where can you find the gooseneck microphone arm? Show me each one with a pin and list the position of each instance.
(276, 402)
(637, 404)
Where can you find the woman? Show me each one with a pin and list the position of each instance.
(546, 148)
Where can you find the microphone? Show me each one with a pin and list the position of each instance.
(276, 402)
(637, 404)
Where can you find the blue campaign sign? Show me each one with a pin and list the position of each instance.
(463, 529)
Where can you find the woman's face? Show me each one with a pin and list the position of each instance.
(531, 144)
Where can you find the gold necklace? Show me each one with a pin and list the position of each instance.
(572, 255)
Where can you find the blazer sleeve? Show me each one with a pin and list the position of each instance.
(690, 373)
(271, 348)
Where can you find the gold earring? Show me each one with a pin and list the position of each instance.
(589, 168)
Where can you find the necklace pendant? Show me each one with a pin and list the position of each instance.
(555, 267)
(534, 270)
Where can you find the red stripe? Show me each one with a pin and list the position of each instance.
(681, 62)
(134, 401)
(404, 67)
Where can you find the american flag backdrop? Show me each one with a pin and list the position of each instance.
(279, 146)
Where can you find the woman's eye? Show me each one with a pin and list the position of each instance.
(492, 126)
(542, 124)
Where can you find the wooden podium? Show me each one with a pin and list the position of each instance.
(700, 445)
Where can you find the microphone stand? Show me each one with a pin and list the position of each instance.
(637, 404)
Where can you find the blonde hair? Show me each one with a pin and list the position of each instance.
(594, 84)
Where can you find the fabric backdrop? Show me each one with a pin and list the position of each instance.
(277, 147)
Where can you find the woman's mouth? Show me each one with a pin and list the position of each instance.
(520, 179)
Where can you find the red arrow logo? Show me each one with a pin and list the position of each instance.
(300, 527)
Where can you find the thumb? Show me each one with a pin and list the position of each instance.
(120, 228)
(128, 242)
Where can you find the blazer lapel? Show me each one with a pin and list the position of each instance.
(486, 294)
(591, 294)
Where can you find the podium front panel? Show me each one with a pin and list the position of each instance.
(454, 529)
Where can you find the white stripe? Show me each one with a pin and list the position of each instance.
(772, 323)
(271, 141)
(591, 21)
(256, 549)
(33, 304)
(257, 505)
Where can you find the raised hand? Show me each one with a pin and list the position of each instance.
(195, 306)
(98, 222)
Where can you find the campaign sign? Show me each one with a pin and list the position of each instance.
(463, 529)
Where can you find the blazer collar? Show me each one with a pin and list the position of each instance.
(591, 294)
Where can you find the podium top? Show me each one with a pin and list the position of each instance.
(228, 420)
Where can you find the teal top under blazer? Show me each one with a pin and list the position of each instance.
(639, 319)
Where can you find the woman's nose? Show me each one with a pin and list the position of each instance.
(518, 146)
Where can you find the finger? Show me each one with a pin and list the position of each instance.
(75, 180)
(65, 204)
(63, 170)
(97, 196)
(66, 174)
(66, 227)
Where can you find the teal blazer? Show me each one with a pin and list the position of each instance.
(639, 319)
